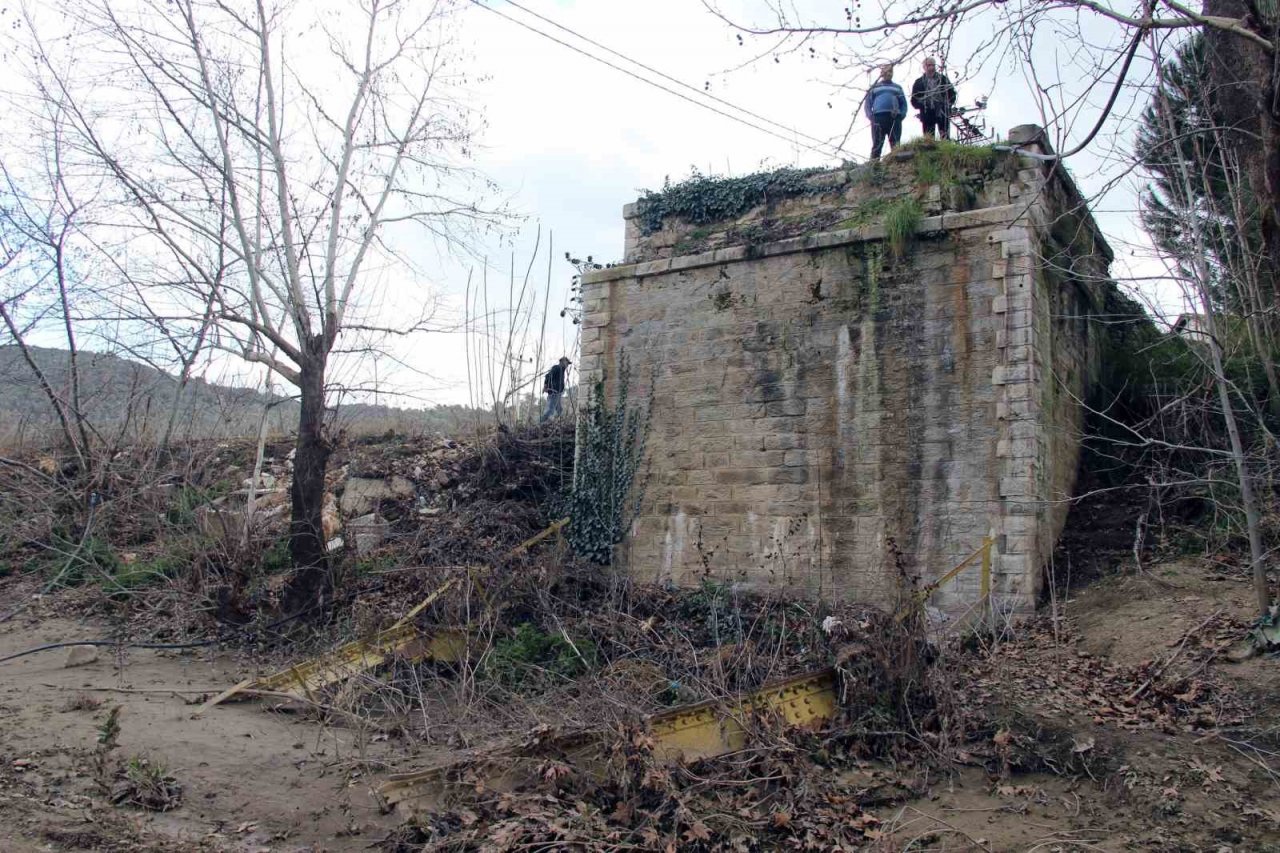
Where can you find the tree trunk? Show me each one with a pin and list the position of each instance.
(1245, 90)
(73, 350)
(1244, 476)
(312, 580)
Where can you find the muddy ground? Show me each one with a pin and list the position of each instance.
(1117, 724)
(251, 779)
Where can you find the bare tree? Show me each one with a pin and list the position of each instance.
(280, 146)
(38, 227)
(504, 350)
(1202, 283)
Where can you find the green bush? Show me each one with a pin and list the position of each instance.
(532, 658)
(275, 558)
(901, 218)
(944, 162)
(75, 562)
(144, 573)
(182, 512)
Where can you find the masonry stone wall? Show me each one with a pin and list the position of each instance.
(826, 415)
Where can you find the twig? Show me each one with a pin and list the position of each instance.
(949, 826)
(1178, 651)
(173, 690)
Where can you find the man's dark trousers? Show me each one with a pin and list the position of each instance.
(935, 123)
(885, 126)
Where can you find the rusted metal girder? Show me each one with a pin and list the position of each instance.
(305, 680)
(711, 728)
(401, 641)
(688, 733)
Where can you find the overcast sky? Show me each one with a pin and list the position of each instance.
(568, 141)
(571, 140)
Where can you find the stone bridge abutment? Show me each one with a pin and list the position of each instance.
(835, 401)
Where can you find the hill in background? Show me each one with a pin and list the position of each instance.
(121, 397)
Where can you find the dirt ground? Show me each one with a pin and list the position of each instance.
(251, 779)
(1206, 780)
(1123, 728)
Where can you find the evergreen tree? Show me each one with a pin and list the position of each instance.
(1180, 128)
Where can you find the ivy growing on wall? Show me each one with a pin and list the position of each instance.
(605, 496)
(701, 199)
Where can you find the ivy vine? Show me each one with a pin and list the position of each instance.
(605, 497)
(702, 199)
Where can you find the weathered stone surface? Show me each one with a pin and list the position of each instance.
(219, 522)
(361, 495)
(367, 533)
(81, 656)
(823, 413)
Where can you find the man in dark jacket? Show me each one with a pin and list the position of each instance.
(553, 387)
(934, 96)
(886, 106)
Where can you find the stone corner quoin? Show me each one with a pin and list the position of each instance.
(830, 411)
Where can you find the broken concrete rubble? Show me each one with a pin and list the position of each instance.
(80, 656)
(329, 518)
(367, 532)
(361, 495)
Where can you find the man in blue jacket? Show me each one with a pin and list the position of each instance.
(886, 106)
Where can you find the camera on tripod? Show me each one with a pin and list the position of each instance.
(970, 128)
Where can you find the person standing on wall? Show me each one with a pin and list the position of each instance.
(886, 106)
(934, 96)
(553, 387)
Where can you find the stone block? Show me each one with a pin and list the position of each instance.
(777, 476)
(367, 533)
(362, 495)
(80, 656)
(785, 408)
(741, 476)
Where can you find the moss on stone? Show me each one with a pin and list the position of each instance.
(945, 162)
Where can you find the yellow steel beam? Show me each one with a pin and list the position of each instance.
(551, 530)
(688, 733)
(713, 728)
(984, 551)
(401, 640)
(304, 680)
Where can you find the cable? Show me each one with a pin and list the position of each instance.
(196, 644)
(837, 149)
(646, 80)
(1106, 112)
(50, 646)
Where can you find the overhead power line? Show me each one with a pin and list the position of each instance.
(822, 143)
(827, 151)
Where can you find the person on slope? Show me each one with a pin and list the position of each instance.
(886, 106)
(934, 96)
(553, 387)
